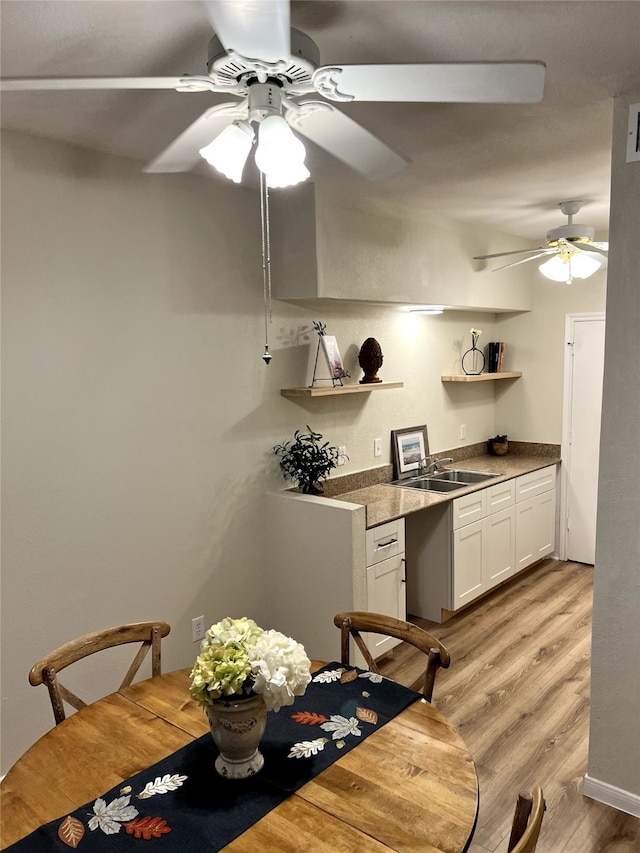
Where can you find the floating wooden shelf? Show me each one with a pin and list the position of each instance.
(482, 377)
(328, 390)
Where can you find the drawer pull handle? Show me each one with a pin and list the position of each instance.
(386, 544)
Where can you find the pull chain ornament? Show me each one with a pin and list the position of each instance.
(266, 264)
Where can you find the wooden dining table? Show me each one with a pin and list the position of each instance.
(410, 786)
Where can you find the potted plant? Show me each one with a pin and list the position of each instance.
(306, 461)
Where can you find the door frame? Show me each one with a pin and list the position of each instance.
(567, 391)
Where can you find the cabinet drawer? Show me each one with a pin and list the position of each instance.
(385, 541)
(501, 496)
(469, 508)
(535, 483)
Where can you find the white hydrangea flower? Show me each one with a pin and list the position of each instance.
(280, 669)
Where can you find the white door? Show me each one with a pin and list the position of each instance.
(584, 367)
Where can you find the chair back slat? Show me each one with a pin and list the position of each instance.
(527, 820)
(351, 623)
(148, 634)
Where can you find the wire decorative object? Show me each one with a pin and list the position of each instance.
(329, 346)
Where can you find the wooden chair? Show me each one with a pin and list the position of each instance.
(353, 622)
(149, 634)
(527, 821)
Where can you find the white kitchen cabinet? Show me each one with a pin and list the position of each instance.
(483, 551)
(467, 564)
(480, 539)
(535, 528)
(386, 587)
(535, 516)
(499, 543)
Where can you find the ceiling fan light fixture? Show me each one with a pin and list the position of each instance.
(567, 266)
(229, 151)
(280, 154)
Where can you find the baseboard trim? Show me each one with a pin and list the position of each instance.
(603, 792)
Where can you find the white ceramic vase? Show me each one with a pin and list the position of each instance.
(237, 726)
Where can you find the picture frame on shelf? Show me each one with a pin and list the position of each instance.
(333, 357)
(408, 447)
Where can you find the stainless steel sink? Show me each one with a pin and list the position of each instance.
(429, 484)
(460, 476)
(447, 481)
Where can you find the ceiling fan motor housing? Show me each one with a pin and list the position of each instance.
(230, 67)
(571, 233)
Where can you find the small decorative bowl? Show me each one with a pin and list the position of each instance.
(498, 448)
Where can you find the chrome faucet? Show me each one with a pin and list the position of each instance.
(425, 467)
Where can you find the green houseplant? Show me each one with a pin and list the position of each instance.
(306, 461)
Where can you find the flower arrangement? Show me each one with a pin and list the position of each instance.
(238, 658)
(475, 334)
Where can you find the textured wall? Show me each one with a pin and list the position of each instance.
(138, 416)
(614, 752)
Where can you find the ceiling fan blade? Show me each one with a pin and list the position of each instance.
(524, 260)
(182, 154)
(180, 84)
(256, 29)
(503, 254)
(598, 248)
(345, 139)
(456, 82)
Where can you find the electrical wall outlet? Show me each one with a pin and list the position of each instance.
(197, 629)
(343, 453)
(377, 447)
(463, 430)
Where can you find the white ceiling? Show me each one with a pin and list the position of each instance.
(503, 165)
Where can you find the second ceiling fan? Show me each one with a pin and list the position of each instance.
(570, 250)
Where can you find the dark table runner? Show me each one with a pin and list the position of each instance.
(183, 802)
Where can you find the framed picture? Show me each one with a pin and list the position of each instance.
(332, 354)
(408, 447)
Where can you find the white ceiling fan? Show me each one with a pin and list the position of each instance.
(270, 70)
(570, 249)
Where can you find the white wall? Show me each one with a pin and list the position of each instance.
(138, 416)
(535, 345)
(614, 748)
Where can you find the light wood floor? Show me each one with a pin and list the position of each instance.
(518, 691)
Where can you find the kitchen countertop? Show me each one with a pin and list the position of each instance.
(384, 502)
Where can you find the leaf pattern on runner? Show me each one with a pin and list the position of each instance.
(367, 715)
(162, 785)
(328, 676)
(341, 726)
(309, 718)
(307, 748)
(374, 677)
(111, 817)
(147, 827)
(71, 831)
(349, 675)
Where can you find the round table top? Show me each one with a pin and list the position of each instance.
(420, 780)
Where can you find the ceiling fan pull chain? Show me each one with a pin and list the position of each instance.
(266, 263)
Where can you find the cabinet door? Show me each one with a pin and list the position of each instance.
(545, 511)
(467, 564)
(386, 594)
(499, 544)
(535, 528)
(525, 534)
